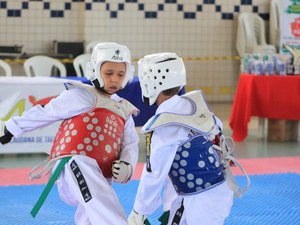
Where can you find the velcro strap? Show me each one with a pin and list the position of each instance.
(229, 160)
(2, 126)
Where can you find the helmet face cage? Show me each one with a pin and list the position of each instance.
(111, 52)
(159, 72)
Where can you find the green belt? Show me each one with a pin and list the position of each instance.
(146, 222)
(164, 218)
(49, 186)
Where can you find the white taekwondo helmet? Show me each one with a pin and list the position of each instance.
(159, 72)
(112, 52)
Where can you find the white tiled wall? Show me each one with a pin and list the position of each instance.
(208, 34)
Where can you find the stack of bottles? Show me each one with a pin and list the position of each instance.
(267, 64)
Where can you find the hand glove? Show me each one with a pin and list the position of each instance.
(121, 171)
(136, 219)
(5, 135)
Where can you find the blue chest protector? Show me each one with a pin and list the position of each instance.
(196, 167)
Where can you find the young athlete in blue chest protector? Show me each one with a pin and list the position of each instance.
(183, 146)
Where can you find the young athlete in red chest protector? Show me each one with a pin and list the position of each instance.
(97, 139)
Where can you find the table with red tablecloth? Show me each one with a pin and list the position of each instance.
(274, 97)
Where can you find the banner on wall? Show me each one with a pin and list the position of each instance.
(290, 26)
(19, 94)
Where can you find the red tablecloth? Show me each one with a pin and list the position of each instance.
(276, 97)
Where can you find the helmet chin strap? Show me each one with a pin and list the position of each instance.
(103, 90)
(146, 100)
(97, 86)
(96, 83)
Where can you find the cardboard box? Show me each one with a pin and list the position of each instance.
(282, 130)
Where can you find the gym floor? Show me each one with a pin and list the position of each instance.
(273, 196)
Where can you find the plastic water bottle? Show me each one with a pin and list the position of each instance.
(258, 67)
(268, 67)
(289, 69)
(296, 69)
(280, 67)
(274, 59)
(245, 63)
(250, 66)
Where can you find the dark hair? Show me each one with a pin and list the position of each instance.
(171, 91)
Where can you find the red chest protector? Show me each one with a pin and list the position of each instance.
(96, 134)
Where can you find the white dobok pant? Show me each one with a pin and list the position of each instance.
(103, 207)
(210, 207)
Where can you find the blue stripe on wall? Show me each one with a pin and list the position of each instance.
(191, 14)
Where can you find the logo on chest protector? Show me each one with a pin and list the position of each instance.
(117, 56)
(202, 115)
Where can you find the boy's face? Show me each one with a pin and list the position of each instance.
(113, 75)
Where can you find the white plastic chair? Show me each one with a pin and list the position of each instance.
(41, 65)
(90, 46)
(251, 35)
(80, 62)
(6, 67)
(275, 23)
